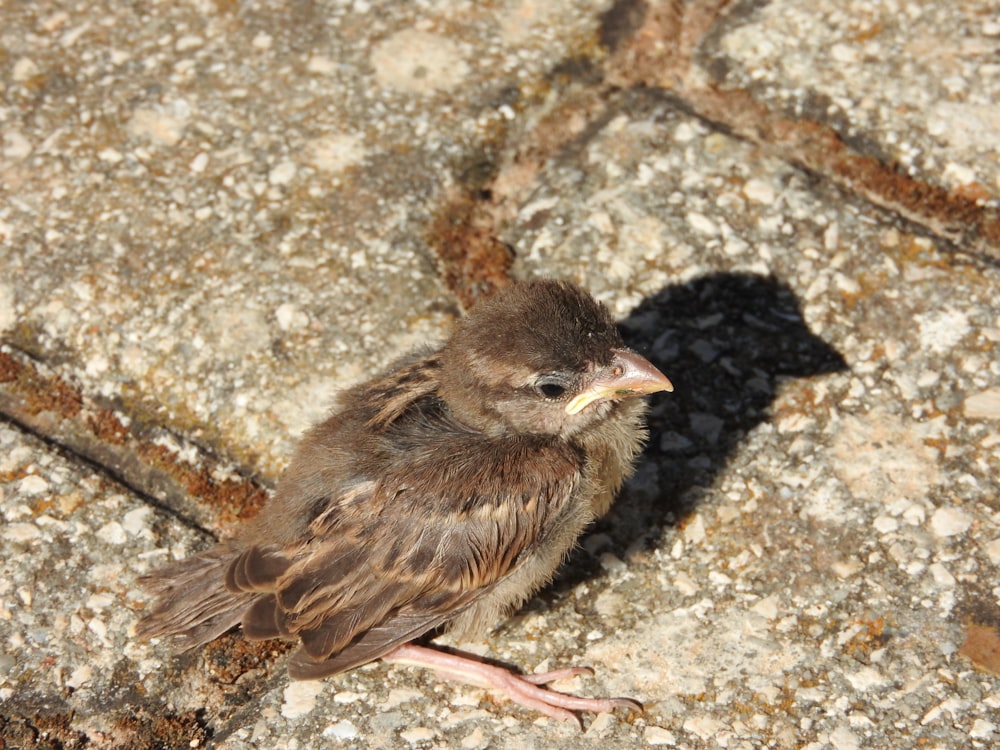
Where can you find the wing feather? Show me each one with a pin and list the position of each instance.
(419, 556)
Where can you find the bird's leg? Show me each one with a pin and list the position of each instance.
(524, 690)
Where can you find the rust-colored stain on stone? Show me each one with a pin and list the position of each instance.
(40, 393)
(230, 500)
(982, 648)
(956, 215)
(231, 656)
(142, 729)
(872, 637)
(473, 263)
(817, 147)
(107, 427)
(9, 368)
(41, 731)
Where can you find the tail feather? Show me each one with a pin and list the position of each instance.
(192, 601)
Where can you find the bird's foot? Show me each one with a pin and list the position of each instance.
(524, 690)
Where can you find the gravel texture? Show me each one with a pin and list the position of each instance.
(215, 215)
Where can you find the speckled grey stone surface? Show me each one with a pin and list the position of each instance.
(73, 546)
(215, 215)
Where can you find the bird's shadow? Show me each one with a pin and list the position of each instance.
(726, 340)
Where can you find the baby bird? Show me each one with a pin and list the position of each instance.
(442, 493)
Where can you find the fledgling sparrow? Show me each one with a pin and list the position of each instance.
(442, 493)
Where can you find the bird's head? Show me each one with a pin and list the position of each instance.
(541, 357)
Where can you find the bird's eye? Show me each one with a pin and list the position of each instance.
(551, 387)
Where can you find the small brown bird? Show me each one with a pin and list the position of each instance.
(441, 493)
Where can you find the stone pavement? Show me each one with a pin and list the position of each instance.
(216, 214)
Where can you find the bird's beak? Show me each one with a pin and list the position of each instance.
(628, 374)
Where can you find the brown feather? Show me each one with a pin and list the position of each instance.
(191, 600)
(264, 619)
(256, 569)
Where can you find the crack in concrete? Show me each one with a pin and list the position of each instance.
(203, 495)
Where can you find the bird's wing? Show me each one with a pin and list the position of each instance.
(398, 556)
